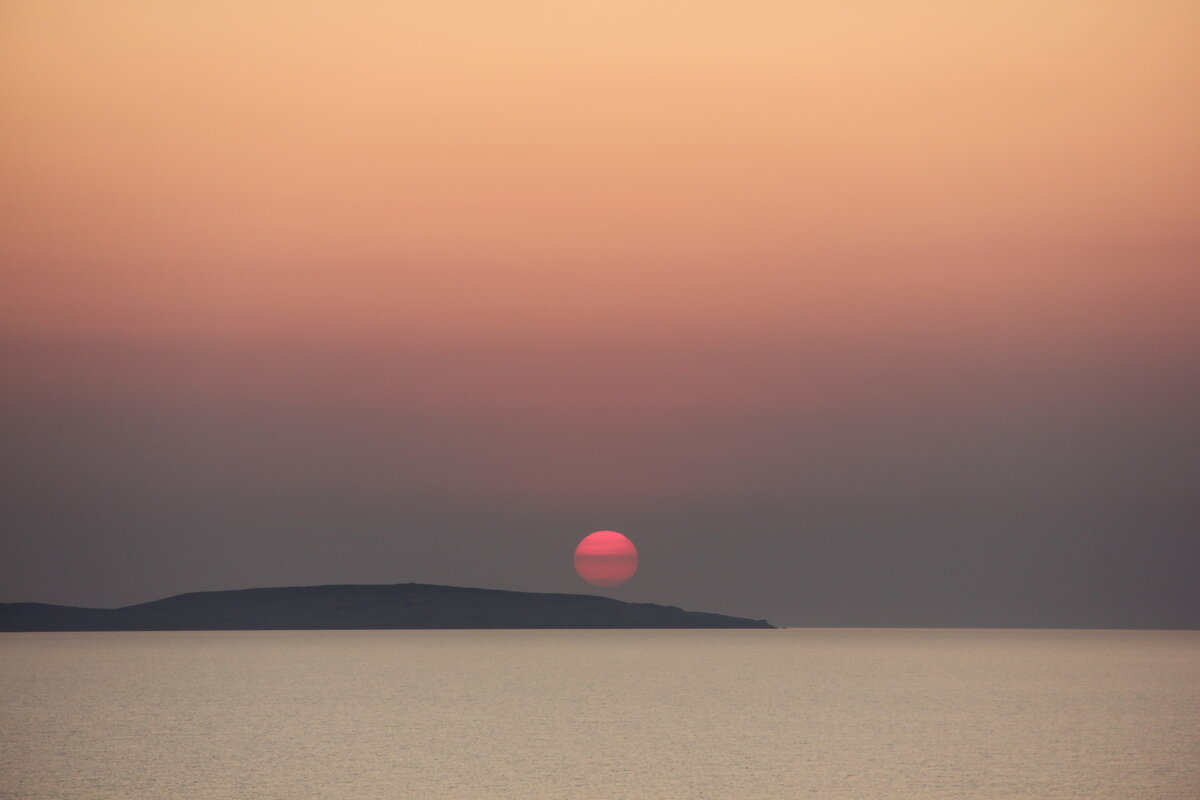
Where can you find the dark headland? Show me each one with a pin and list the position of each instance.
(402, 605)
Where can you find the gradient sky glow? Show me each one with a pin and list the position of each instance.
(847, 313)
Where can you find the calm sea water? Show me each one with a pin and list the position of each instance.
(601, 714)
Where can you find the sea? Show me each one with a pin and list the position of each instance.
(738, 714)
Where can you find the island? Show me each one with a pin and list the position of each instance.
(357, 607)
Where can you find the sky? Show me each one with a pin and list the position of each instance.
(846, 313)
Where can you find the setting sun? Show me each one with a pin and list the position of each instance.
(606, 558)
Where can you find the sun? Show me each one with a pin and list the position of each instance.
(606, 558)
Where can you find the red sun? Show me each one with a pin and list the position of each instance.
(606, 558)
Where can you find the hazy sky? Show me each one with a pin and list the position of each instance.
(845, 312)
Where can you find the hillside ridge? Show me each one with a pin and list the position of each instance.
(364, 607)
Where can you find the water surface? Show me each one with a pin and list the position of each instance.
(601, 714)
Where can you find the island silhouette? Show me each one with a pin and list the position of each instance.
(363, 607)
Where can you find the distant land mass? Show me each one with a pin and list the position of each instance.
(352, 607)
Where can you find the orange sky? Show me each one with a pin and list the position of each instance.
(532, 172)
(791, 292)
